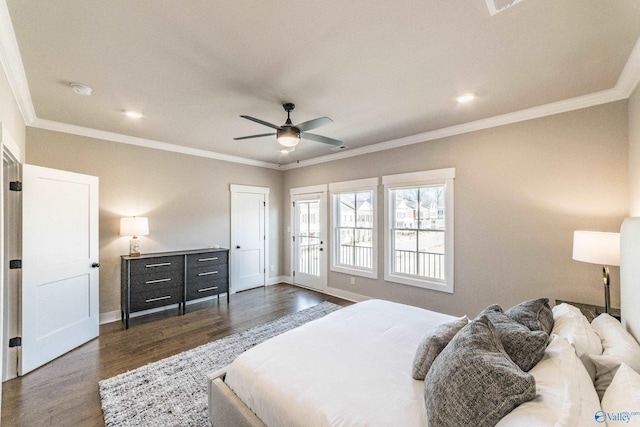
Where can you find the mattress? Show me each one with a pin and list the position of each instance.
(351, 367)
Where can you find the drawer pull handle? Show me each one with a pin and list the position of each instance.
(207, 289)
(158, 299)
(208, 259)
(149, 282)
(162, 264)
(206, 273)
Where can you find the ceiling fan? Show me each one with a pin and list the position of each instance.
(288, 135)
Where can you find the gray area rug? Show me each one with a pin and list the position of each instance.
(173, 391)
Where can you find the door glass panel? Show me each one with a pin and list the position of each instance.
(308, 238)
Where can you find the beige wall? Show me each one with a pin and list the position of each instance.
(634, 153)
(520, 192)
(186, 198)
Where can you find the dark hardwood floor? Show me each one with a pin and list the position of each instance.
(64, 392)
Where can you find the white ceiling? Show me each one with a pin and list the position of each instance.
(386, 72)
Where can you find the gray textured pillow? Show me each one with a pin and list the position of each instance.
(433, 343)
(524, 346)
(473, 382)
(535, 314)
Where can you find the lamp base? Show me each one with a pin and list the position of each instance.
(134, 247)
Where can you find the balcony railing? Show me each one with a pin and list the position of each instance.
(309, 259)
(424, 264)
(356, 256)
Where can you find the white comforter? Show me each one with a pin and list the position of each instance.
(351, 367)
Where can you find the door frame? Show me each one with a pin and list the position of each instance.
(235, 189)
(9, 246)
(300, 191)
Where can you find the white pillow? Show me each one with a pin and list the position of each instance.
(619, 347)
(565, 394)
(621, 401)
(572, 325)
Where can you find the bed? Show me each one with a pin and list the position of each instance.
(353, 367)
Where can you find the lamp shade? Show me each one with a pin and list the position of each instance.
(596, 247)
(136, 226)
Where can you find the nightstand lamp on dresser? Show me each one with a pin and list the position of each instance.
(134, 226)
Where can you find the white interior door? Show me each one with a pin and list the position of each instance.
(309, 240)
(59, 307)
(248, 237)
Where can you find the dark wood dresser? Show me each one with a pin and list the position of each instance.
(165, 278)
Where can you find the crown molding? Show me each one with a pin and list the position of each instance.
(142, 142)
(11, 62)
(591, 100)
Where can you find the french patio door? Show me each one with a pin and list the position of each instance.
(310, 240)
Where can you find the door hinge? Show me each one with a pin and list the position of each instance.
(15, 186)
(15, 342)
(294, 274)
(294, 204)
(294, 238)
(15, 264)
(264, 204)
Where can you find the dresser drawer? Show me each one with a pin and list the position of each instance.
(156, 298)
(209, 258)
(206, 273)
(157, 265)
(156, 280)
(204, 289)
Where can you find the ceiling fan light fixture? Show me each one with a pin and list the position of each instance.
(288, 137)
(287, 150)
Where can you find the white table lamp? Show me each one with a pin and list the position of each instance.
(597, 247)
(135, 226)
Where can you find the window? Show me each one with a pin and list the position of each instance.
(419, 229)
(354, 227)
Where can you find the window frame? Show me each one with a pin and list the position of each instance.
(444, 177)
(354, 186)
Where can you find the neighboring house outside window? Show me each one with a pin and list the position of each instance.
(354, 227)
(419, 229)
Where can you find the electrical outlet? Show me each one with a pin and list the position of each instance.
(353, 280)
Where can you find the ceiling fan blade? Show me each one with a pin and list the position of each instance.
(315, 123)
(262, 122)
(319, 138)
(253, 136)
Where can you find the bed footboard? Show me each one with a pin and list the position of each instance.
(225, 407)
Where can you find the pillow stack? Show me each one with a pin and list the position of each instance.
(570, 324)
(480, 374)
(619, 348)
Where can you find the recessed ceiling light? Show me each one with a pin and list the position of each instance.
(81, 89)
(466, 97)
(133, 114)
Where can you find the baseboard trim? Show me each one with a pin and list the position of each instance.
(114, 316)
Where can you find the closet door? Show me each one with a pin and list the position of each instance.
(59, 300)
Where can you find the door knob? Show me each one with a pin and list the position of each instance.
(237, 247)
(95, 265)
